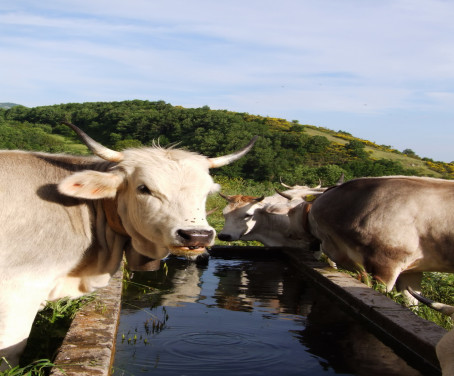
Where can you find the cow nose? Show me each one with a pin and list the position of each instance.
(196, 238)
(225, 237)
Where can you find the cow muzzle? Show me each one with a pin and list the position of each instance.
(225, 237)
(193, 242)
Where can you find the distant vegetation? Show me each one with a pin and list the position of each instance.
(286, 149)
(8, 105)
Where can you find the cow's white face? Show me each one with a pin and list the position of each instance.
(161, 195)
(239, 217)
(164, 202)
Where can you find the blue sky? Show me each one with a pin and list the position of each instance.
(381, 70)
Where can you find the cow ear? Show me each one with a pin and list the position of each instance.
(91, 185)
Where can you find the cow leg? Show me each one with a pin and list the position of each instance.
(409, 279)
(17, 313)
(445, 353)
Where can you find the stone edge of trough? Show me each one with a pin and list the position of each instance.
(414, 335)
(89, 346)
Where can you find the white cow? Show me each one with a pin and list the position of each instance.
(445, 347)
(254, 218)
(66, 221)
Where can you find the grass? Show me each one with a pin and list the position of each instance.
(71, 147)
(48, 331)
(37, 368)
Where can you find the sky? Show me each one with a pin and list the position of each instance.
(382, 70)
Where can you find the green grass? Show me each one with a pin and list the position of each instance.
(48, 331)
(39, 367)
(71, 147)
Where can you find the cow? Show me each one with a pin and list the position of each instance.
(394, 227)
(67, 219)
(445, 347)
(253, 218)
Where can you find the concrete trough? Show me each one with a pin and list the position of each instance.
(89, 346)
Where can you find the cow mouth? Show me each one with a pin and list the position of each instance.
(190, 251)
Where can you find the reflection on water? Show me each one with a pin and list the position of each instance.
(241, 317)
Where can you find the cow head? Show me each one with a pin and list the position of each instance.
(160, 195)
(239, 216)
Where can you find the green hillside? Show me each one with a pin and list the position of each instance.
(378, 152)
(287, 150)
(7, 105)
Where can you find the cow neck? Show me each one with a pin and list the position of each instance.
(110, 207)
(306, 226)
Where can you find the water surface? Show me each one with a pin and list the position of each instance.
(241, 317)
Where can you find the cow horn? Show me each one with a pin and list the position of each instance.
(283, 184)
(97, 149)
(212, 211)
(341, 179)
(288, 197)
(225, 197)
(440, 307)
(229, 158)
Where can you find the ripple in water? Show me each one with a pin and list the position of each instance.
(216, 350)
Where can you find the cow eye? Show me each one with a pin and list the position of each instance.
(143, 189)
(248, 216)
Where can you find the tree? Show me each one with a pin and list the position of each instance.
(410, 153)
(355, 149)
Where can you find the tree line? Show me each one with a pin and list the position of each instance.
(284, 149)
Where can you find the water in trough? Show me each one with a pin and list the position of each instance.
(230, 316)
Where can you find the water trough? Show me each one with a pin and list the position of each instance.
(89, 346)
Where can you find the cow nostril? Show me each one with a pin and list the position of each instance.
(224, 237)
(196, 237)
(184, 234)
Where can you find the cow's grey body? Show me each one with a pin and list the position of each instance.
(67, 220)
(389, 226)
(44, 236)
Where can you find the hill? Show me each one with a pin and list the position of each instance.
(294, 152)
(7, 105)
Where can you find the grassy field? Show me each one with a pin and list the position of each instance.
(72, 147)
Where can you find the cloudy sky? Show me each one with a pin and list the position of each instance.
(382, 70)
